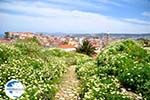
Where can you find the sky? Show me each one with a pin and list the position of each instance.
(75, 16)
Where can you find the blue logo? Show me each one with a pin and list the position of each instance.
(14, 89)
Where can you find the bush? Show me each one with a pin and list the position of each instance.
(129, 62)
(125, 64)
(98, 86)
(144, 42)
(86, 48)
(38, 68)
(8, 52)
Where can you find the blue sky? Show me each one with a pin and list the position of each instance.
(75, 16)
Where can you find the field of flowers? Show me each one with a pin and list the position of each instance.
(121, 65)
(39, 69)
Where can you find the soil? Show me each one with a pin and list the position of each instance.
(69, 86)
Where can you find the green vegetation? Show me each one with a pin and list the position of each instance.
(86, 48)
(144, 42)
(96, 85)
(124, 64)
(38, 68)
(6, 34)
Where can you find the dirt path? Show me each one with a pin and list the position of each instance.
(68, 88)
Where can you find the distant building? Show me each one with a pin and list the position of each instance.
(67, 47)
(5, 40)
(105, 40)
(64, 42)
(18, 35)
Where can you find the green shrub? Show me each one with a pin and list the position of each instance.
(86, 48)
(8, 52)
(98, 86)
(38, 68)
(124, 63)
(129, 62)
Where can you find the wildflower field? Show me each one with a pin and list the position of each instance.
(38, 68)
(124, 64)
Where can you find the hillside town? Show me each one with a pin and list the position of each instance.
(65, 42)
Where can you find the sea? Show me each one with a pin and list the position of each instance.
(116, 36)
(1, 35)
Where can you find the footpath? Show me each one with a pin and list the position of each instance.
(69, 86)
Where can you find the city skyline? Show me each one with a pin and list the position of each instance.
(80, 16)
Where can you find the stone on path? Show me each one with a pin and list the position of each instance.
(68, 88)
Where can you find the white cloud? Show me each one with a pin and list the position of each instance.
(59, 20)
(146, 14)
(137, 21)
(36, 8)
(111, 2)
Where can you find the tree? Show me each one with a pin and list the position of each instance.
(7, 35)
(86, 48)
